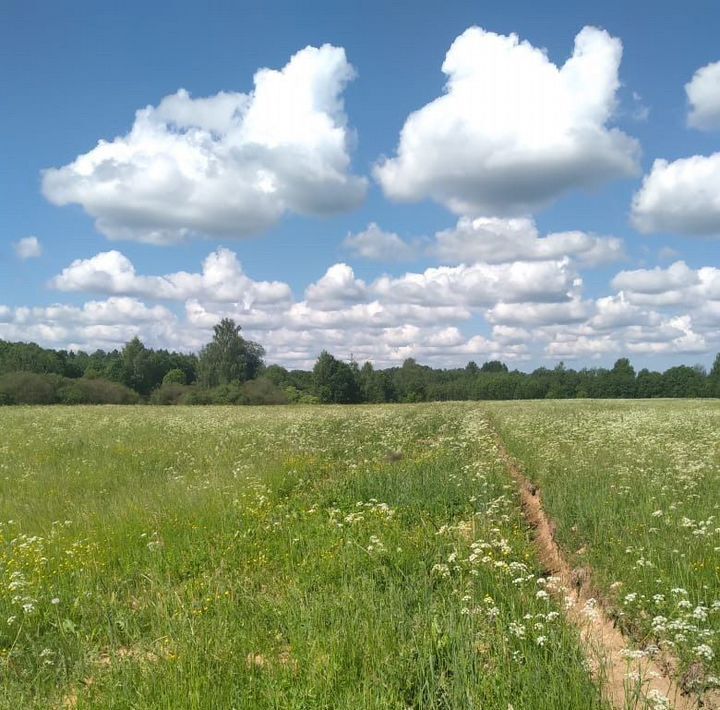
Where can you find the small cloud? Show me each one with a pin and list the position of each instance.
(28, 248)
(640, 111)
(375, 244)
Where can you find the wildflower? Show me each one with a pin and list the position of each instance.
(704, 651)
(657, 700)
(517, 630)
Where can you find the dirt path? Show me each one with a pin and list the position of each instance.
(608, 651)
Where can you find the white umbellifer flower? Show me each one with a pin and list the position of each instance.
(517, 630)
(700, 613)
(540, 640)
(55, 601)
(541, 594)
(704, 651)
(658, 700)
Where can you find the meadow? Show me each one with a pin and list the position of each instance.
(634, 491)
(346, 557)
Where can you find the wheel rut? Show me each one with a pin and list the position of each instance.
(614, 664)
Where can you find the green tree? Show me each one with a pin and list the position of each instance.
(411, 381)
(229, 357)
(620, 381)
(137, 367)
(176, 376)
(714, 378)
(494, 366)
(335, 382)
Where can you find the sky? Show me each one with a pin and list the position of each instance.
(531, 182)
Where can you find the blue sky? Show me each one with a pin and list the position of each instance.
(73, 74)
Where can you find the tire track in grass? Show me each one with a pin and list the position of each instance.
(627, 679)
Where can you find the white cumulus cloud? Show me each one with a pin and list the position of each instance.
(227, 165)
(677, 285)
(376, 244)
(337, 287)
(481, 284)
(703, 92)
(497, 240)
(682, 196)
(513, 131)
(222, 279)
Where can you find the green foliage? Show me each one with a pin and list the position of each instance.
(263, 391)
(29, 388)
(494, 366)
(335, 382)
(95, 391)
(176, 376)
(169, 393)
(229, 358)
(34, 388)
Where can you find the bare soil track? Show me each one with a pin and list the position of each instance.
(605, 646)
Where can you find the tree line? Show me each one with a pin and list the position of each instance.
(231, 370)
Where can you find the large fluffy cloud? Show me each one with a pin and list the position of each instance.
(497, 240)
(513, 131)
(678, 285)
(703, 92)
(481, 284)
(682, 196)
(228, 165)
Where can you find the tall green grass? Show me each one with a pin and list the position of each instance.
(634, 488)
(358, 557)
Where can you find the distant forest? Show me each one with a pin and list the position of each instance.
(231, 370)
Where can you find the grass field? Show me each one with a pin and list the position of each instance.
(634, 489)
(344, 557)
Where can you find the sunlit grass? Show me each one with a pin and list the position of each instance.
(359, 557)
(634, 488)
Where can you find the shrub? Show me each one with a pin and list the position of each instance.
(196, 395)
(95, 391)
(170, 393)
(29, 388)
(228, 394)
(34, 388)
(262, 391)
